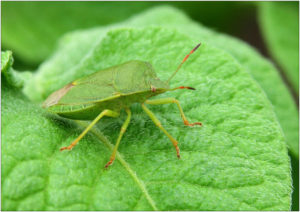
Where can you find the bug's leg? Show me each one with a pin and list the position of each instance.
(109, 113)
(158, 124)
(173, 100)
(122, 131)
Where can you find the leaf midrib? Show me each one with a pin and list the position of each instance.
(135, 178)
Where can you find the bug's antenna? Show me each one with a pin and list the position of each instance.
(185, 58)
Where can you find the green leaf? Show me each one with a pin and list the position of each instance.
(33, 39)
(262, 70)
(237, 161)
(280, 26)
(30, 138)
(6, 60)
(12, 77)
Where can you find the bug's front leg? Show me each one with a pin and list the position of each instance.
(173, 100)
(122, 131)
(109, 113)
(158, 124)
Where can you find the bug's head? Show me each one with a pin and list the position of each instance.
(184, 59)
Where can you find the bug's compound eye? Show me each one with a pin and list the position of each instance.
(153, 89)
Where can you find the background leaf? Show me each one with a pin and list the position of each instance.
(236, 161)
(280, 26)
(12, 77)
(32, 39)
(6, 60)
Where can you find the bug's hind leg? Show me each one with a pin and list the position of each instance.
(158, 124)
(173, 100)
(122, 131)
(109, 113)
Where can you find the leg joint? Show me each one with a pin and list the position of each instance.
(173, 100)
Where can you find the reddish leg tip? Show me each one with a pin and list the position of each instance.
(64, 148)
(177, 151)
(108, 164)
(192, 124)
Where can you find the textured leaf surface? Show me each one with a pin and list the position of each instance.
(236, 161)
(262, 70)
(280, 26)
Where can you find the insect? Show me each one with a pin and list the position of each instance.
(108, 91)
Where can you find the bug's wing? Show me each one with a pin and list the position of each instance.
(92, 88)
(127, 78)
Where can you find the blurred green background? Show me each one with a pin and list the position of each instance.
(31, 31)
(39, 35)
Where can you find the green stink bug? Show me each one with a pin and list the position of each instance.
(106, 92)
